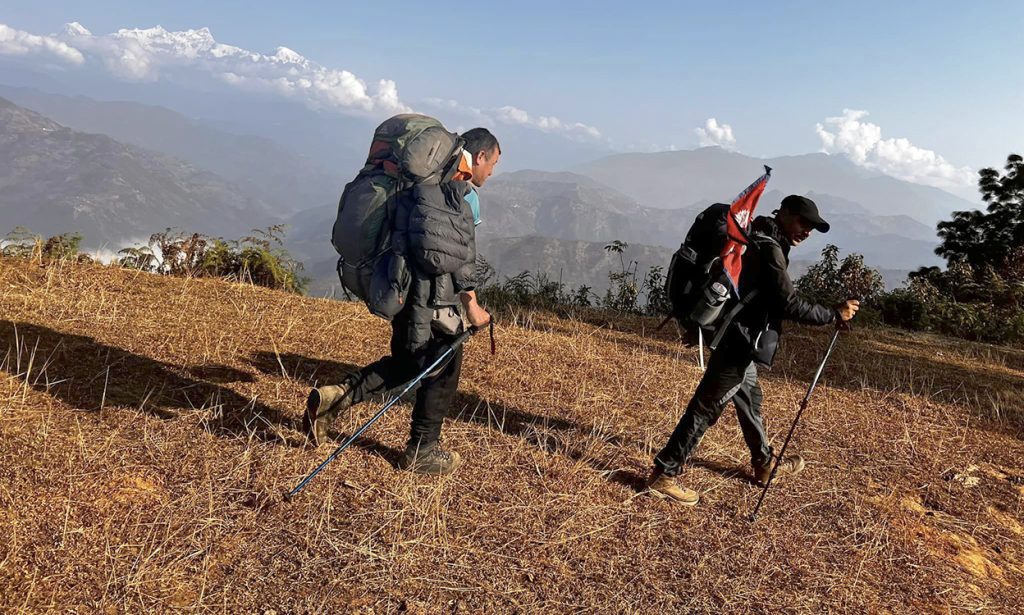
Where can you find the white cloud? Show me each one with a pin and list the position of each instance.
(153, 54)
(20, 43)
(714, 133)
(515, 116)
(862, 142)
(545, 123)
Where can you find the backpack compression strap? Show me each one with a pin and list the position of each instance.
(727, 321)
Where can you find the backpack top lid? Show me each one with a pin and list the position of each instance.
(709, 231)
(413, 147)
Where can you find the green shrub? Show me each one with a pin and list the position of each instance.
(258, 259)
(21, 243)
(830, 282)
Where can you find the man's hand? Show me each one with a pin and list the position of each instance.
(846, 311)
(475, 313)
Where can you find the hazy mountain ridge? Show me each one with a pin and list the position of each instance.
(563, 205)
(533, 211)
(573, 207)
(675, 179)
(54, 179)
(264, 170)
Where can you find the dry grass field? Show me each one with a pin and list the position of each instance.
(148, 428)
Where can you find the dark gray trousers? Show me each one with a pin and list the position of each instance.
(731, 376)
(436, 392)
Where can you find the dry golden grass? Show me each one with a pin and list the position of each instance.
(148, 430)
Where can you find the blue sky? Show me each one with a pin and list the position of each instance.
(945, 76)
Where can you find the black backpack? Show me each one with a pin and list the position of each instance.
(697, 285)
(407, 150)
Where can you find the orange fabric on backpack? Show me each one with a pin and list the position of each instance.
(465, 170)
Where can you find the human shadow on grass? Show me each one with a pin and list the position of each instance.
(89, 375)
(315, 372)
(725, 470)
(637, 481)
(630, 479)
(551, 434)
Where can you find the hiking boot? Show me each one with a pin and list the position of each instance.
(665, 487)
(790, 466)
(323, 406)
(429, 459)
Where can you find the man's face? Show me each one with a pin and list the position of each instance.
(794, 227)
(483, 166)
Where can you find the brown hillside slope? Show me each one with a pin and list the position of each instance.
(148, 428)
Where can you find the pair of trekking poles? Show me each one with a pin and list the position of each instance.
(437, 364)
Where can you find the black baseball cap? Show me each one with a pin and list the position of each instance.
(806, 209)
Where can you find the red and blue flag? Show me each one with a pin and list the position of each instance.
(741, 213)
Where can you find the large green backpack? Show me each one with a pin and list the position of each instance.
(407, 149)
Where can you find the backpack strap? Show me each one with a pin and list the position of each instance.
(341, 263)
(727, 321)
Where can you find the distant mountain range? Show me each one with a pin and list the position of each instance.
(577, 207)
(152, 168)
(679, 179)
(284, 180)
(54, 179)
(559, 223)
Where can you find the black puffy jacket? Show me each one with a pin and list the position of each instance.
(765, 267)
(434, 231)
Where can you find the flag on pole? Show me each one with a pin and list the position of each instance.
(741, 213)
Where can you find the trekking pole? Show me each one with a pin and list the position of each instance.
(458, 341)
(792, 428)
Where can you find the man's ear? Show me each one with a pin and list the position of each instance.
(480, 158)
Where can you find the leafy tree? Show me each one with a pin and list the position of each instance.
(988, 238)
(830, 282)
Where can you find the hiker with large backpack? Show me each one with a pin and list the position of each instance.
(406, 239)
(747, 335)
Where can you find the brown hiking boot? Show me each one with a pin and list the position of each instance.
(429, 459)
(665, 487)
(790, 466)
(323, 406)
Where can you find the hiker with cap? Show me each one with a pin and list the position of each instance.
(752, 339)
(434, 227)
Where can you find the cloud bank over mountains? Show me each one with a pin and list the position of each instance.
(18, 43)
(153, 54)
(862, 142)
